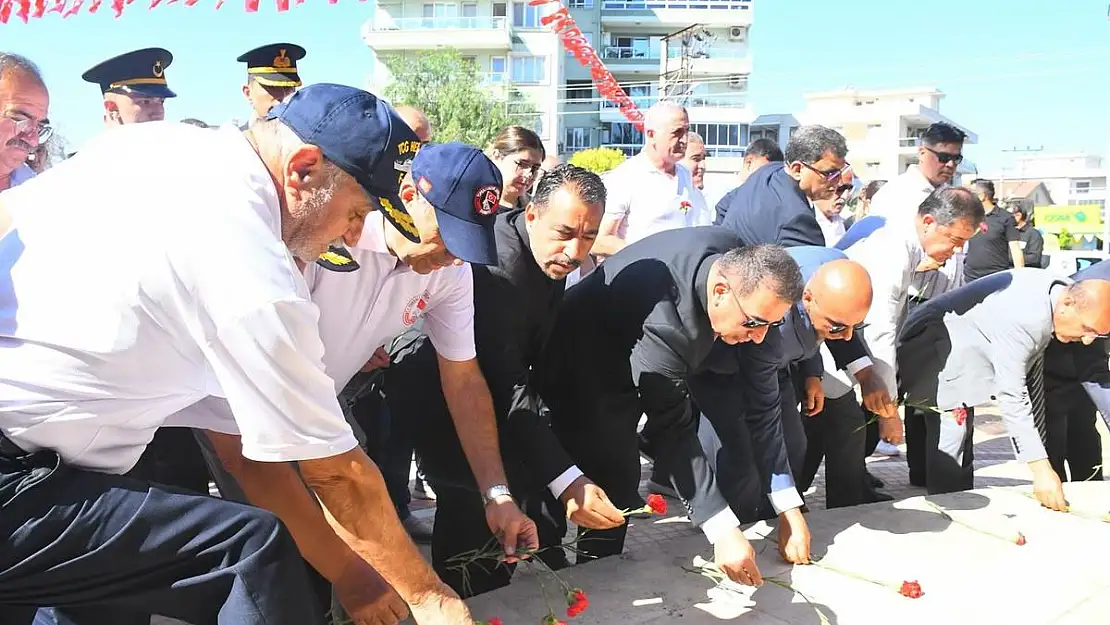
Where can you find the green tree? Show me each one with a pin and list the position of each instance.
(1065, 239)
(598, 160)
(450, 91)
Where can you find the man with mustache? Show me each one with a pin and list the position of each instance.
(24, 101)
(97, 354)
(134, 86)
(515, 301)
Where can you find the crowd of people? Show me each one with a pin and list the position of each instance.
(298, 306)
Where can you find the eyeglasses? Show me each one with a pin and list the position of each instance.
(830, 176)
(523, 164)
(835, 327)
(946, 157)
(751, 322)
(26, 125)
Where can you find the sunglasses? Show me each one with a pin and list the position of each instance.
(947, 157)
(752, 322)
(839, 328)
(829, 176)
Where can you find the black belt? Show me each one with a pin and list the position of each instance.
(9, 448)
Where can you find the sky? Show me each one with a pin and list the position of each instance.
(1020, 73)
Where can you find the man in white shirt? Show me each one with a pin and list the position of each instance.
(652, 191)
(115, 315)
(892, 250)
(24, 102)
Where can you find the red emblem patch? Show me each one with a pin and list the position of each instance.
(487, 199)
(414, 309)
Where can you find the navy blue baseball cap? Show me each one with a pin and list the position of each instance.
(363, 136)
(465, 189)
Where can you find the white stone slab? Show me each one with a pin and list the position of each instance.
(1060, 577)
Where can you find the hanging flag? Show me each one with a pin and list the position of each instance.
(561, 22)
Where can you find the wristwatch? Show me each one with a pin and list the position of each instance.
(495, 491)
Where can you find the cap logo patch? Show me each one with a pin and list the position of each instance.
(281, 61)
(400, 219)
(487, 199)
(425, 185)
(415, 309)
(158, 69)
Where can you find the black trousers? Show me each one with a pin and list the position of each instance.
(173, 458)
(1071, 435)
(412, 391)
(112, 549)
(838, 436)
(738, 472)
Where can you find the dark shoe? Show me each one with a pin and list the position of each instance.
(876, 497)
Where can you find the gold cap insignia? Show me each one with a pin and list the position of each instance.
(337, 259)
(281, 61)
(158, 69)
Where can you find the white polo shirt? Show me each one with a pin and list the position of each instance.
(144, 275)
(648, 200)
(362, 310)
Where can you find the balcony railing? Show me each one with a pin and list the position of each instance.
(675, 52)
(717, 100)
(630, 53)
(441, 23)
(725, 151)
(909, 142)
(685, 5)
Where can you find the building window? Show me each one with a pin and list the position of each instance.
(1081, 187)
(469, 15)
(634, 47)
(723, 139)
(576, 139)
(625, 136)
(580, 91)
(499, 9)
(589, 37)
(440, 15)
(580, 4)
(497, 69)
(525, 16)
(528, 69)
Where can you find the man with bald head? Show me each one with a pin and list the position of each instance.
(784, 369)
(417, 120)
(987, 340)
(649, 192)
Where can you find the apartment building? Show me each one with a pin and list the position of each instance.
(706, 67)
(1071, 179)
(883, 129)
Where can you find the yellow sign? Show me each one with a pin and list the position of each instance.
(1078, 219)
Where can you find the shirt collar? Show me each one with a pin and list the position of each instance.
(20, 175)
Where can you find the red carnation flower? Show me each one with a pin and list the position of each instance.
(1020, 539)
(961, 415)
(496, 621)
(911, 590)
(551, 620)
(577, 602)
(657, 504)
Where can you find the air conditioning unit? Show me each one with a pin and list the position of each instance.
(737, 33)
(738, 82)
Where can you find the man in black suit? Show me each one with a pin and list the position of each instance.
(514, 308)
(778, 372)
(775, 204)
(626, 342)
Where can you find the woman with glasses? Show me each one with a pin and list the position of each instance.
(518, 153)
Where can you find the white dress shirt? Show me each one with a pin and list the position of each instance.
(648, 200)
(136, 288)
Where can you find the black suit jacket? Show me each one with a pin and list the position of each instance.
(770, 208)
(514, 310)
(638, 327)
